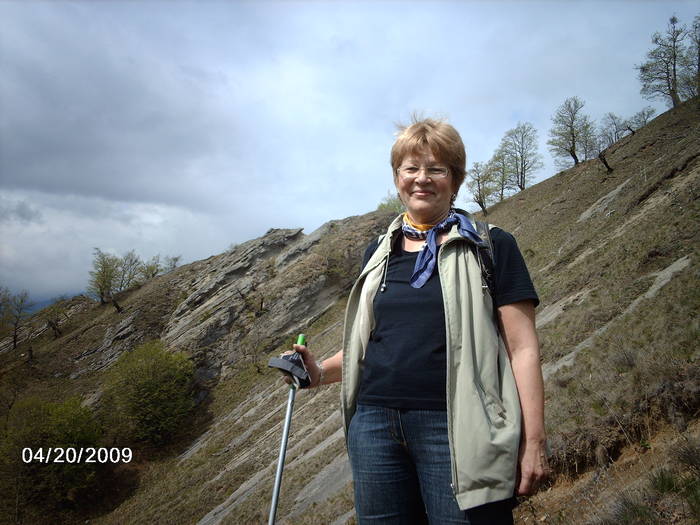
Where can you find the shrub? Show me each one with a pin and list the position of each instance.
(35, 425)
(148, 393)
(663, 481)
(628, 509)
(391, 203)
(687, 455)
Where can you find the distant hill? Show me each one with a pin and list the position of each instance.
(614, 257)
(40, 305)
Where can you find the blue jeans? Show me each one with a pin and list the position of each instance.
(400, 461)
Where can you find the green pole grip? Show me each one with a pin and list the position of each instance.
(301, 339)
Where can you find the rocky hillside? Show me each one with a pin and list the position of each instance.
(614, 257)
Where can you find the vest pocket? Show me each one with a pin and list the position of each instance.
(493, 407)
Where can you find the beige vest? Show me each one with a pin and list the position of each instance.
(483, 409)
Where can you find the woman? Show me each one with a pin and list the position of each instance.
(443, 409)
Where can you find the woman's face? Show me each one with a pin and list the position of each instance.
(427, 198)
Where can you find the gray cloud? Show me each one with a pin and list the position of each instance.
(95, 120)
(179, 128)
(18, 210)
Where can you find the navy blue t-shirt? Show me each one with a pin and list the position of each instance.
(405, 362)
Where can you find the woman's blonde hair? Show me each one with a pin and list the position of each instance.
(439, 137)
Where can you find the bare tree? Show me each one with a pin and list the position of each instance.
(640, 119)
(571, 134)
(4, 306)
(18, 313)
(10, 388)
(54, 314)
(689, 81)
(659, 75)
(519, 145)
(481, 185)
(612, 128)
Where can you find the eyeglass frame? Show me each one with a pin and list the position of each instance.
(424, 169)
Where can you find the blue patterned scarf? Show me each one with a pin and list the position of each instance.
(427, 258)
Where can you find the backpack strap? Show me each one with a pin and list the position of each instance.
(486, 258)
(487, 262)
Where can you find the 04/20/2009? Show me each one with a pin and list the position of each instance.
(77, 455)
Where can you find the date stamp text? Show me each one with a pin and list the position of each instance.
(77, 455)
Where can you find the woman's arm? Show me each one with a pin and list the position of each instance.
(517, 322)
(332, 367)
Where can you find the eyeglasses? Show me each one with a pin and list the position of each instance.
(411, 171)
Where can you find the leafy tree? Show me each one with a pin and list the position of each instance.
(129, 268)
(171, 262)
(391, 203)
(519, 145)
(104, 275)
(151, 268)
(499, 169)
(590, 146)
(659, 75)
(572, 134)
(481, 185)
(38, 425)
(148, 393)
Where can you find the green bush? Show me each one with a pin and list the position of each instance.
(29, 473)
(148, 394)
(391, 203)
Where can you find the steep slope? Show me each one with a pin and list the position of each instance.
(614, 257)
(615, 260)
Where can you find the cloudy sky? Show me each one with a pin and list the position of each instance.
(180, 128)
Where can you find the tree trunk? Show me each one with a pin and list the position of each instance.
(56, 330)
(675, 98)
(601, 157)
(572, 152)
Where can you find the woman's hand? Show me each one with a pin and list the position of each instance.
(310, 363)
(533, 467)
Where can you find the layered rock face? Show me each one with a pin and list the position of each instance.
(243, 303)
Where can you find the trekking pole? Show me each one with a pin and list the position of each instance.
(292, 365)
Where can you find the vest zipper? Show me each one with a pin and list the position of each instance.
(450, 418)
